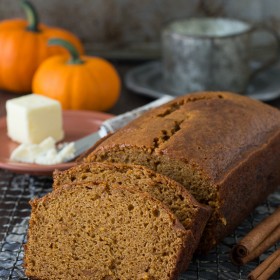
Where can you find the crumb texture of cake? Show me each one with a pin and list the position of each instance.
(97, 231)
(192, 215)
(222, 147)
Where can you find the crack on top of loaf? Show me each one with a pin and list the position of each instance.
(166, 135)
(172, 107)
(177, 105)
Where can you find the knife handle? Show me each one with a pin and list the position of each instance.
(119, 121)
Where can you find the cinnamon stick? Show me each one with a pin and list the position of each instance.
(262, 237)
(266, 268)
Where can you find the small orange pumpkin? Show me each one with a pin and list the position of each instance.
(81, 83)
(24, 46)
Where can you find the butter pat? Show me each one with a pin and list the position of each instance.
(33, 118)
(44, 153)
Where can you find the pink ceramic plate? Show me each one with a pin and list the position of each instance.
(76, 125)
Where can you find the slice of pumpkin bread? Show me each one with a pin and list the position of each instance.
(190, 213)
(96, 231)
(222, 147)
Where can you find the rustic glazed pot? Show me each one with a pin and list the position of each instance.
(207, 54)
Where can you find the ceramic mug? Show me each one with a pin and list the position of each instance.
(208, 54)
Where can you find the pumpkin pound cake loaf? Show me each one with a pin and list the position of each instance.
(93, 231)
(191, 214)
(222, 147)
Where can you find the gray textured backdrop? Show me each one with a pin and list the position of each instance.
(129, 28)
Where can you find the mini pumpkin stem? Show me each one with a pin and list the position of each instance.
(75, 56)
(31, 15)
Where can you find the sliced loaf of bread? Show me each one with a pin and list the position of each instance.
(99, 231)
(190, 213)
(222, 147)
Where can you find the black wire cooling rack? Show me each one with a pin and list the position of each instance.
(17, 190)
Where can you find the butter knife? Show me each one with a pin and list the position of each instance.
(113, 124)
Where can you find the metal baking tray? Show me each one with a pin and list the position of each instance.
(17, 190)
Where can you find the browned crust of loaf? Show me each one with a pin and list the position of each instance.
(245, 187)
(244, 168)
(203, 211)
(183, 258)
(259, 176)
(191, 112)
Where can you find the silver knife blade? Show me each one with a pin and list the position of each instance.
(86, 142)
(113, 124)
